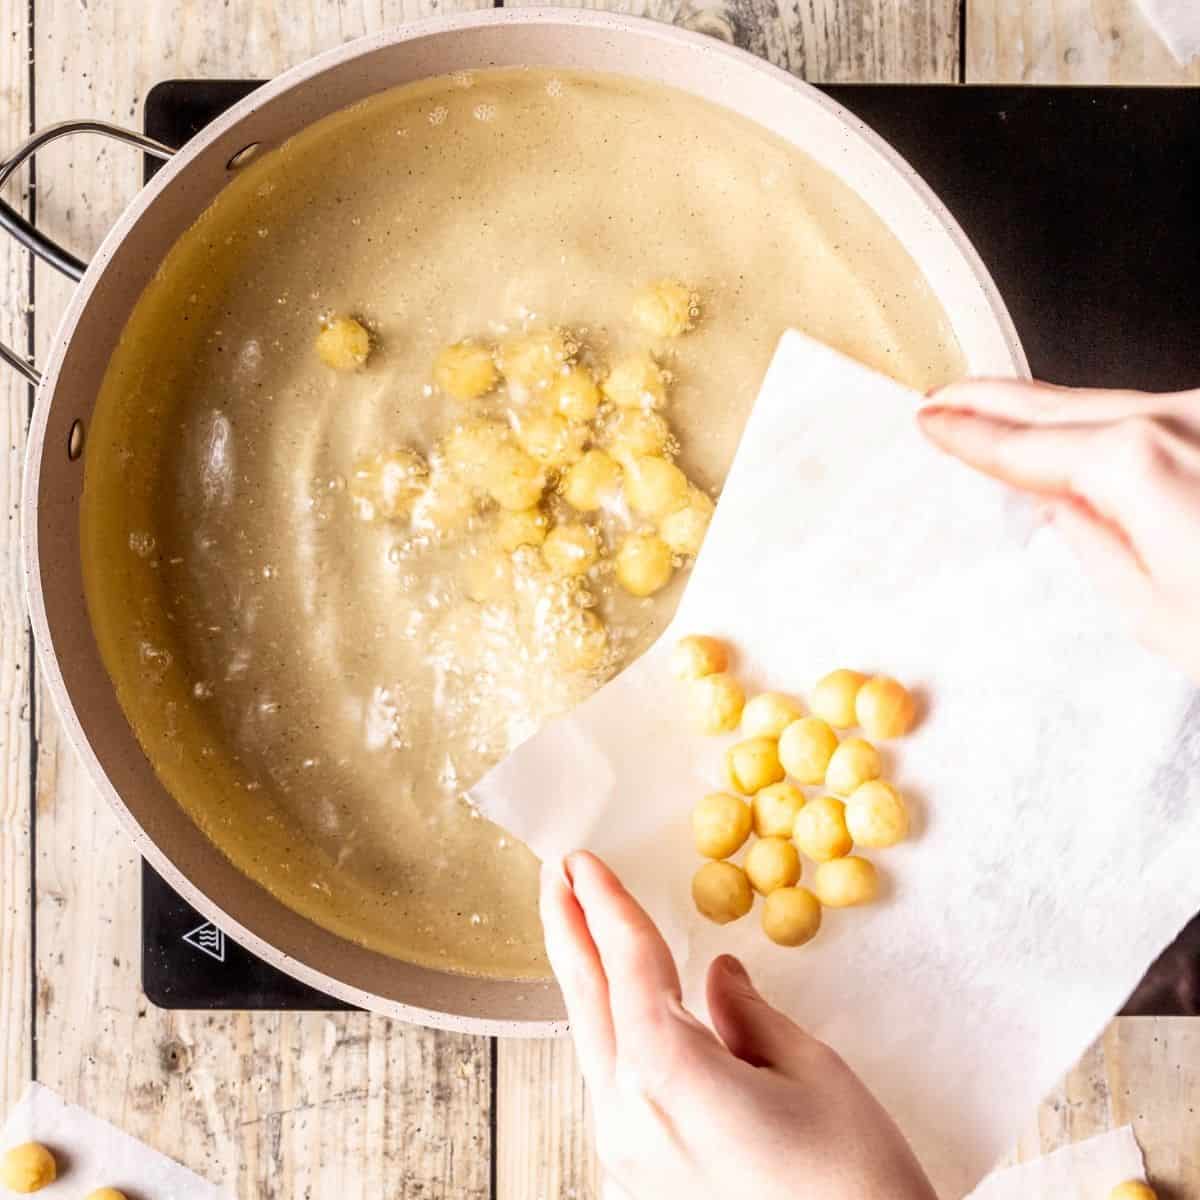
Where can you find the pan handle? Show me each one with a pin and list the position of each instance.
(32, 238)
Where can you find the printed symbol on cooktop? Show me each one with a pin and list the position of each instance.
(208, 939)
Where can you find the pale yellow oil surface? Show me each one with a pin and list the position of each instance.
(316, 690)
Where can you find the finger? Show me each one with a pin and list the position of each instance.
(752, 1030)
(580, 974)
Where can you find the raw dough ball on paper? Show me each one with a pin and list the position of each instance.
(753, 764)
(533, 360)
(30, 1167)
(521, 527)
(590, 481)
(772, 863)
(343, 344)
(846, 881)
(1133, 1189)
(721, 891)
(715, 703)
(636, 381)
(665, 309)
(876, 815)
(775, 808)
(551, 438)
(570, 549)
(805, 748)
(388, 485)
(465, 370)
(833, 697)
(582, 642)
(106, 1193)
(791, 916)
(644, 564)
(720, 825)
(853, 763)
(695, 656)
(635, 432)
(820, 829)
(769, 714)
(514, 479)
(576, 394)
(884, 707)
(654, 487)
(684, 530)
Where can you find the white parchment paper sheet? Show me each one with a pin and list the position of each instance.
(1083, 1171)
(1177, 22)
(1055, 777)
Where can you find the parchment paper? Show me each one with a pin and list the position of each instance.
(1083, 1171)
(1055, 777)
(1177, 22)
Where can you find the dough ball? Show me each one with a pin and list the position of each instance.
(791, 916)
(594, 479)
(514, 479)
(534, 361)
(581, 643)
(775, 808)
(753, 764)
(695, 656)
(635, 431)
(844, 882)
(769, 714)
(654, 487)
(720, 825)
(488, 578)
(833, 697)
(684, 529)
(30, 1167)
(820, 830)
(636, 381)
(665, 309)
(550, 438)
(644, 564)
(387, 485)
(106, 1193)
(570, 549)
(465, 370)
(446, 507)
(772, 863)
(343, 344)
(721, 891)
(1133, 1189)
(472, 448)
(521, 527)
(876, 815)
(805, 748)
(715, 703)
(884, 707)
(852, 764)
(576, 394)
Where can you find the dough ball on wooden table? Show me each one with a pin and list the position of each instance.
(636, 381)
(721, 891)
(844, 882)
(885, 708)
(644, 564)
(753, 764)
(715, 703)
(772, 863)
(833, 697)
(695, 656)
(343, 344)
(720, 825)
(30, 1167)
(591, 481)
(465, 370)
(791, 916)
(852, 764)
(768, 714)
(876, 815)
(775, 808)
(805, 748)
(665, 309)
(819, 830)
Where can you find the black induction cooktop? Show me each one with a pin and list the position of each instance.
(1085, 205)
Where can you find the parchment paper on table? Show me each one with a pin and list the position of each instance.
(1055, 775)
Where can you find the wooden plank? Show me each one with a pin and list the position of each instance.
(274, 1105)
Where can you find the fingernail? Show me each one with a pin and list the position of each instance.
(732, 967)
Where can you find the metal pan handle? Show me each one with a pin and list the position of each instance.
(33, 239)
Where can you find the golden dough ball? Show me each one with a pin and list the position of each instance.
(753, 765)
(521, 527)
(769, 713)
(581, 643)
(844, 882)
(576, 394)
(851, 765)
(820, 829)
(715, 703)
(885, 707)
(772, 863)
(472, 448)
(654, 487)
(805, 748)
(684, 529)
(534, 361)
(876, 815)
(465, 370)
(570, 549)
(591, 481)
(720, 825)
(447, 505)
(636, 431)
(721, 891)
(488, 578)
(636, 381)
(30, 1167)
(106, 1193)
(665, 309)
(515, 480)
(387, 485)
(775, 808)
(1133, 1189)
(551, 438)
(833, 697)
(343, 344)
(696, 655)
(791, 916)
(644, 564)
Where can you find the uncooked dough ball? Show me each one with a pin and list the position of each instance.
(570, 549)
(30, 1167)
(684, 530)
(654, 487)
(853, 763)
(636, 381)
(772, 863)
(551, 438)
(514, 479)
(775, 808)
(753, 764)
(665, 309)
(533, 361)
(595, 478)
(1133, 1189)
(343, 344)
(720, 824)
(884, 707)
(721, 891)
(521, 527)
(695, 656)
(472, 448)
(833, 697)
(715, 703)
(876, 816)
(106, 1193)
(820, 829)
(805, 748)
(387, 485)
(635, 432)
(844, 882)
(791, 916)
(644, 564)
(769, 714)
(581, 643)
(576, 394)
(465, 370)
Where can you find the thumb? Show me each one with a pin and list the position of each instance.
(752, 1030)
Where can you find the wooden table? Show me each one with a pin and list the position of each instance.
(351, 1105)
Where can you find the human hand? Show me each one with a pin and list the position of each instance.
(758, 1107)
(1120, 474)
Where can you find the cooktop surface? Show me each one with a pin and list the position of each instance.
(1085, 205)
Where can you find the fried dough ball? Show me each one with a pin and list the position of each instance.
(514, 479)
(833, 697)
(876, 815)
(791, 916)
(820, 830)
(768, 714)
(715, 703)
(1133, 1189)
(446, 506)
(521, 527)
(885, 708)
(753, 765)
(853, 763)
(775, 808)
(533, 361)
(591, 481)
(772, 863)
(636, 381)
(664, 309)
(696, 655)
(844, 882)
(805, 748)
(635, 432)
(30, 1167)
(488, 578)
(551, 438)
(654, 488)
(684, 529)
(644, 564)
(720, 825)
(721, 892)
(472, 448)
(387, 485)
(465, 370)
(570, 549)
(106, 1193)
(343, 344)
(576, 394)
(581, 643)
